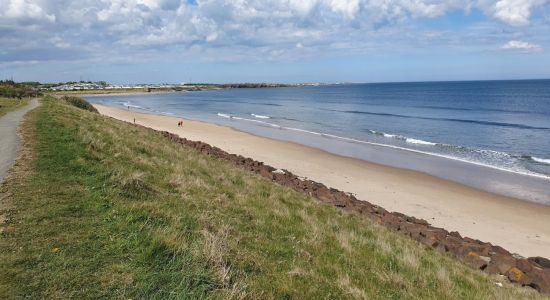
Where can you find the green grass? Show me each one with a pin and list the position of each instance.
(80, 103)
(11, 104)
(100, 208)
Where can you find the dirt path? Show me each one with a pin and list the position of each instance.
(9, 140)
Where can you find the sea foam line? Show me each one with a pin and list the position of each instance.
(260, 116)
(128, 104)
(541, 160)
(542, 176)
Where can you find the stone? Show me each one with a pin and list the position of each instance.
(498, 250)
(524, 265)
(540, 280)
(417, 221)
(486, 259)
(455, 234)
(541, 261)
(500, 264)
(516, 275)
(475, 259)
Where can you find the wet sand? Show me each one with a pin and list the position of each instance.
(519, 226)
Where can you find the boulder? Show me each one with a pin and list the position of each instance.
(477, 260)
(540, 280)
(498, 250)
(455, 234)
(516, 275)
(541, 261)
(524, 265)
(500, 264)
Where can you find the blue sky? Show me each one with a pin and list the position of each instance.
(274, 40)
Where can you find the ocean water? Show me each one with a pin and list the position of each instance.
(499, 125)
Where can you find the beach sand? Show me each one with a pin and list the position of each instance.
(518, 226)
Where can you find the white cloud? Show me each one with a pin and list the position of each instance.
(348, 8)
(123, 28)
(23, 9)
(513, 12)
(521, 45)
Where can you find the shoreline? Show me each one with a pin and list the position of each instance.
(516, 225)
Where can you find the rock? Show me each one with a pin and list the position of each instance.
(455, 234)
(524, 265)
(500, 264)
(417, 221)
(486, 259)
(439, 247)
(516, 275)
(498, 250)
(481, 249)
(435, 233)
(541, 261)
(517, 256)
(540, 280)
(476, 260)
(324, 195)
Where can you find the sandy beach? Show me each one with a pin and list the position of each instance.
(519, 226)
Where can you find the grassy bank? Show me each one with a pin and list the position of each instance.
(11, 104)
(101, 208)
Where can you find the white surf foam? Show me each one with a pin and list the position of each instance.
(260, 116)
(525, 173)
(409, 140)
(128, 104)
(249, 120)
(419, 142)
(541, 160)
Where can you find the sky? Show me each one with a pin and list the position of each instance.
(175, 41)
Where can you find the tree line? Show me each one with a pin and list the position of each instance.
(12, 89)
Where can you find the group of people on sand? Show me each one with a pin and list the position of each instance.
(180, 124)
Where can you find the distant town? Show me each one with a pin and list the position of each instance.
(12, 89)
(102, 85)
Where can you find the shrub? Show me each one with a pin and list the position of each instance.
(11, 89)
(80, 103)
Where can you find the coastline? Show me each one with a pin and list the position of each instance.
(516, 225)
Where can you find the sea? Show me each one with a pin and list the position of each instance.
(491, 135)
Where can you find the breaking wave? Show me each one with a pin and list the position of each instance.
(481, 157)
(541, 160)
(260, 116)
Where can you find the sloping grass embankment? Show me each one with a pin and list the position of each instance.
(100, 208)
